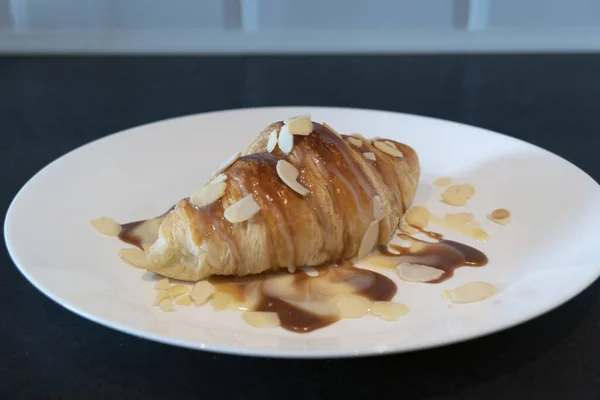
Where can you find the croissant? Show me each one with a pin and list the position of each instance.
(303, 195)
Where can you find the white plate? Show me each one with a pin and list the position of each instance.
(545, 257)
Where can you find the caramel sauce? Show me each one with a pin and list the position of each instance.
(446, 255)
(303, 303)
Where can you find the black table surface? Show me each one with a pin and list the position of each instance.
(51, 105)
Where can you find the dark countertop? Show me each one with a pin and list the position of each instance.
(49, 106)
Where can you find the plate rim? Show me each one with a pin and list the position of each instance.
(279, 353)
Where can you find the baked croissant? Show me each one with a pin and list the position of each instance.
(332, 198)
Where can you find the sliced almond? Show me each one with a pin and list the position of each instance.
(369, 156)
(301, 125)
(359, 136)
(184, 300)
(500, 213)
(208, 194)
(134, 257)
(228, 162)
(272, 143)
(106, 226)
(459, 218)
(201, 292)
(471, 292)
(377, 208)
(390, 143)
(406, 228)
(221, 301)
(353, 306)
(386, 148)
(163, 284)
(218, 179)
(501, 221)
(310, 271)
(286, 140)
(374, 139)
(388, 310)
(369, 240)
(177, 290)
(288, 174)
(418, 217)
(441, 182)
(166, 305)
(242, 210)
(457, 195)
(355, 142)
(418, 273)
(160, 294)
(261, 319)
(336, 133)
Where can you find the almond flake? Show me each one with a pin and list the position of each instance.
(201, 292)
(418, 273)
(370, 156)
(106, 226)
(228, 162)
(406, 228)
(208, 194)
(221, 301)
(359, 136)
(218, 179)
(184, 300)
(242, 210)
(336, 133)
(389, 142)
(441, 182)
(500, 213)
(289, 175)
(374, 139)
(134, 257)
(353, 306)
(163, 284)
(386, 148)
(369, 240)
(286, 140)
(166, 305)
(310, 271)
(161, 294)
(301, 125)
(418, 217)
(177, 290)
(388, 310)
(272, 143)
(261, 319)
(471, 292)
(355, 142)
(377, 209)
(457, 195)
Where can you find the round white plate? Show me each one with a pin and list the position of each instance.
(545, 257)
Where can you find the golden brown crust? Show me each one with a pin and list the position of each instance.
(290, 230)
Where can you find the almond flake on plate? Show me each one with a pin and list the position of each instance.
(286, 140)
(177, 290)
(201, 292)
(301, 125)
(369, 240)
(470, 292)
(353, 306)
(208, 194)
(163, 284)
(386, 148)
(388, 310)
(369, 156)
(166, 305)
(441, 182)
(418, 217)
(457, 195)
(106, 226)
(184, 300)
(289, 175)
(418, 273)
(243, 210)
(134, 257)
(261, 319)
(272, 143)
